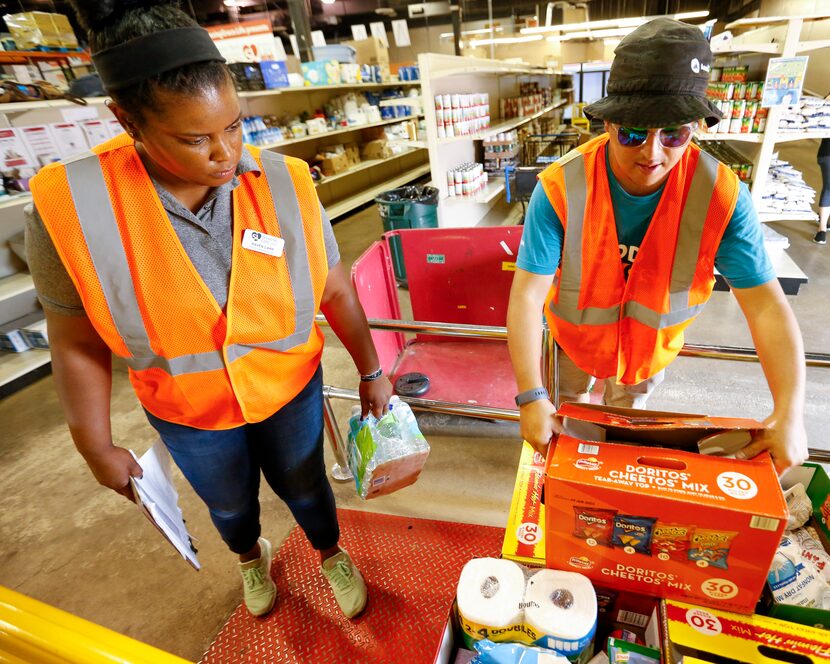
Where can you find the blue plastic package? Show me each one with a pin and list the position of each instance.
(515, 653)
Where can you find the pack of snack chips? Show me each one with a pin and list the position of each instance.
(594, 524)
(634, 532)
(711, 547)
(670, 541)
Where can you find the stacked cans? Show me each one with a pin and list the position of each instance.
(500, 150)
(462, 114)
(739, 100)
(737, 162)
(466, 180)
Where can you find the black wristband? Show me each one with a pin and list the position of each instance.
(528, 396)
(368, 378)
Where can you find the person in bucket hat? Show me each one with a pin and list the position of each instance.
(621, 239)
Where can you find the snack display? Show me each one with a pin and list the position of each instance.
(704, 528)
(710, 547)
(634, 532)
(594, 524)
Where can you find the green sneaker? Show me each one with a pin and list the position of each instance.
(346, 582)
(260, 591)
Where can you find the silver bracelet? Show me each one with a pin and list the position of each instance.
(368, 378)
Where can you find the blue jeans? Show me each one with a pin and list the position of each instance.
(223, 469)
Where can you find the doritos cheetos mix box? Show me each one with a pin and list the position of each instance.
(524, 536)
(663, 522)
(685, 431)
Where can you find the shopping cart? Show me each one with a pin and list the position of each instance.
(538, 151)
(460, 277)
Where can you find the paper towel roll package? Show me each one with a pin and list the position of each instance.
(561, 606)
(490, 595)
(551, 609)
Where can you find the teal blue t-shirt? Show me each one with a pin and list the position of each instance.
(741, 257)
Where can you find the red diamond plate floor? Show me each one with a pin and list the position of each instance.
(411, 567)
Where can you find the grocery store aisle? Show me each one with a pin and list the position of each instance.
(68, 542)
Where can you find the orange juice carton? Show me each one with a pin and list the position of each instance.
(687, 431)
(524, 536)
(663, 522)
(693, 634)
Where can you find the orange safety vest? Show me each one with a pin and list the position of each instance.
(633, 328)
(190, 362)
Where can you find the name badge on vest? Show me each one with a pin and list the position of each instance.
(263, 243)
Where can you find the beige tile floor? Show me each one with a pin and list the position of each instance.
(68, 542)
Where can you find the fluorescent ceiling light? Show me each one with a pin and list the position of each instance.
(482, 31)
(632, 22)
(592, 34)
(328, 2)
(505, 40)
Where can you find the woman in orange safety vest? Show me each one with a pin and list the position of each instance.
(201, 262)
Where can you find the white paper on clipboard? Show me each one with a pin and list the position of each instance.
(159, 501)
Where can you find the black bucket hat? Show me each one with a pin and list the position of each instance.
(658, 78)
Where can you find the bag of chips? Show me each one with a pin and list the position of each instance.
(594, 524)
(711, 547)
(633, 531)
(670, 541)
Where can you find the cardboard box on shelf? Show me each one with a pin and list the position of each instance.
(332, 164)
(274, 73)
(35, 334)
(11, 335)
(352, 153)
(663, 522)
(33, 29)
(321, 72)
(370, 51)
(377, 149)
(524, 536)
(817, 483)
(692, 633)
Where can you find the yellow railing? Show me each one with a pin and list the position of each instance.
(32, 632)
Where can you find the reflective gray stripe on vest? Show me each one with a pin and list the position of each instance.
(690, 235)
(296, 255)
(570, 277)
(103, 240)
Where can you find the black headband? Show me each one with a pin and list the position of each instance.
(145, 57)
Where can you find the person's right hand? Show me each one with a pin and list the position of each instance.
(113, 468)
(538, 423)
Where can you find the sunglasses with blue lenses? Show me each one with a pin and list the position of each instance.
(669, 137)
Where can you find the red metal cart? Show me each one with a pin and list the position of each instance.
(456, 276)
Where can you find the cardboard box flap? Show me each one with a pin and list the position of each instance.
(675, 474)
(695, 632)
(648, 427)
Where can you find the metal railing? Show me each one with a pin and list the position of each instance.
(550, 376)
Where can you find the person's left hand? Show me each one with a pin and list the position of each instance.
(374, 396)
(786, 440)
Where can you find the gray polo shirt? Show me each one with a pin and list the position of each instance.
(207, 237)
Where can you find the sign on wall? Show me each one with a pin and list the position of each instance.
(248, 41)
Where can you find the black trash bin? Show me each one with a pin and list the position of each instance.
(407, 207)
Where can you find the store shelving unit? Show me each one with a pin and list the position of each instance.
(760, 38)
(447, 74)
(337, 132)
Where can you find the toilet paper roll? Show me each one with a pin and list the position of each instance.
(490, 594)
(562, 606)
